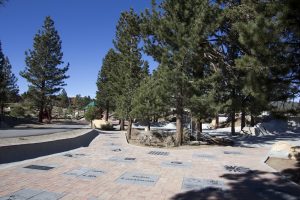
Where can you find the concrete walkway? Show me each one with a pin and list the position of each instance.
(112, 169)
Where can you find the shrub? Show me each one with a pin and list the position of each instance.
(17, 111)
(107, 127)
(90, 114)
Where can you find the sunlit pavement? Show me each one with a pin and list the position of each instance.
(112, 169)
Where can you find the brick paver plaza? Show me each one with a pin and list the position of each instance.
(112, 169)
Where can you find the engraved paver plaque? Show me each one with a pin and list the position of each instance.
(122, 159)
(91, 174)
(236, 169)
(26, 194)
(178, 164)
(199, 184)
(111, 144)
(85, 173)
(116, 149)
(203, 155)
(138, 178)
(233, 152)
(47, 195)
(39, 167)
(23, 194)
(114, 137)
(77, 172)
(159, 153)
(74, 155)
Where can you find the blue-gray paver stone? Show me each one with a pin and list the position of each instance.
(47, 196)
(77, 172)
(122, 159)
(233, 152)
(92, 173)
(26, 194)
(138, 178)
(236, 169)
(179, 164)
(199, 184)
(85, 173)
(203, 155)
(22, 194)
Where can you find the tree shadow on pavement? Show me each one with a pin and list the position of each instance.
(294, 173)
(247, 186)
(267, 139)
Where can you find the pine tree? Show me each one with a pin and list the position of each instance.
(230, 77)
(132, 68)
(274, 50)
(268, 39)
(8, 81)
(177, 33)
(107, 82)
(151, 99)
(63, 99)
(43, 73)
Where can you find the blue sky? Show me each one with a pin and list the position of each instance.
(86, 28)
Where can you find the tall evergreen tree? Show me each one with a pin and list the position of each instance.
(132, 69)
(107, 82)
(152, 99)
(64, 99)
(231, 77)
(8, 82)
(42, 70)
(273, 48)
(176, 32)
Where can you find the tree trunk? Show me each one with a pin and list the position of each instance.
(200, 126)
(233, 122)
(2, 114)
(252, 121)
(122, 125)
(149, 124)
(2, 109)
(129, 129)
(49, 114)
(198, 131)
(217, 121)
(179, 129)
(107, 112)
(243, 119)
(41, 112)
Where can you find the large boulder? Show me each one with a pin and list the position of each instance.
(98, 123)
(285, 150)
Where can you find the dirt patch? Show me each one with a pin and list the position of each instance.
(185, 146)
(287, 167)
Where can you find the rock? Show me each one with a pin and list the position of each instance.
(97, 123)
(294, 153)
(280, 150)
(170, 141)
(248, 130)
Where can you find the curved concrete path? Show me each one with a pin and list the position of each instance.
(112, 169)
(42, 130)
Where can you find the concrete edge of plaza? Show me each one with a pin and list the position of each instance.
(21, 152)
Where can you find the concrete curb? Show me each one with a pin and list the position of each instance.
(14, 153)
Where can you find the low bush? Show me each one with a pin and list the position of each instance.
(107, 127)
(17, 111)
